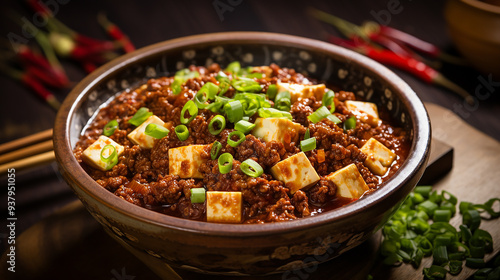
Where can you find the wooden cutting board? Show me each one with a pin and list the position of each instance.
(71, 245)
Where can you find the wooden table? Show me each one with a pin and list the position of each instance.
(70, 243)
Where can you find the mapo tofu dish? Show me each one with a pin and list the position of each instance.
(240, 145)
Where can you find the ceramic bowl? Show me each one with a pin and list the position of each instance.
(230, 249)
(474, 27)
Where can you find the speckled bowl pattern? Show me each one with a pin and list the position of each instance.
(230, 249)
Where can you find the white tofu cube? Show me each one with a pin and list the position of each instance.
(278, 129)
(298, 91)
(296, 172)
(92, 155)
(224, 207)
(138, 136)
(266, 70)
(185, 161)
(378, 156)
(350, 183)
(365, 111)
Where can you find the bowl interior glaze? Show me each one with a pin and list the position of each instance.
(325, 62)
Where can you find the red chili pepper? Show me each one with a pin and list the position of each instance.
(40, 90)
(41, 67)
(410, 40)
(88, 66)
(37, 6)
(116, 33)
(415, 67)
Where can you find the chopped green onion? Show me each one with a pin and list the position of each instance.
(350, 123)
(200, 98)
(246, 85)
(186, 74)
(225, 163)
(192, 109)
(283, 101)
(241, 138)
(319, 114)
(176, 86)
(217, 121)
(423, 190)
(182, 132)
(455, 267)
(308, 144)
(216, 147)
(440, 255)
(465, 232)
(272, 90)
(472, 219)
(233, 67)
(442, 215)
(112, 158)
(251, 168)
(244, 126)
(449, 197)
(477, 248)
(224, 87)
(307, 135)
(435, 272)
(334, 119)
(110, 128)
(140, 116)
(197, 195)
(273, 113)
(486, 237)
(234, 111)
(156, 131)
(428, 207)
(328, 100)
(474, 263)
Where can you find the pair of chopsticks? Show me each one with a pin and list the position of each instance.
(33, 150)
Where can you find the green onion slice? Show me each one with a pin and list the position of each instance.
(140, 116)
(272, 90)
(472, 219)
(197, 195)
(423, 190)
(328, 99)
(112, 158)
(217, 121)
(110, 128)
(475, 263)
(334, 119)
(244, 126)
(233, 67)
(216, 147)
(435, 272)
(307, 135)
(225, 163)
(186, 74)
(308, 144)
(182, 132)
(192, 109)
(234, 111)
(251, 168)
(273, 113)
(176, 86)
(319, 114)
(241, 138)
(246, 85)
(156, 131)
(350, 123)
(283, 101)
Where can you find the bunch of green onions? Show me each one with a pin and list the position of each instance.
(421, 228)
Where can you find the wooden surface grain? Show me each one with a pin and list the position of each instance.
(71, 243)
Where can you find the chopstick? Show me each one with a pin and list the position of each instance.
(29, 151)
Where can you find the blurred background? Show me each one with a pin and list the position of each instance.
(22, 112)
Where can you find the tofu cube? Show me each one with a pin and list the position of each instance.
(278, 129)
(224, 207)
(185, 161)
(266, 70)
(92, 155)
(296, 172)
(138, 136)
(365, 111)
(298, 91)
(350, 183)
(378, 156)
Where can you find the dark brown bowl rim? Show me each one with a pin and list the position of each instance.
(68, 164)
